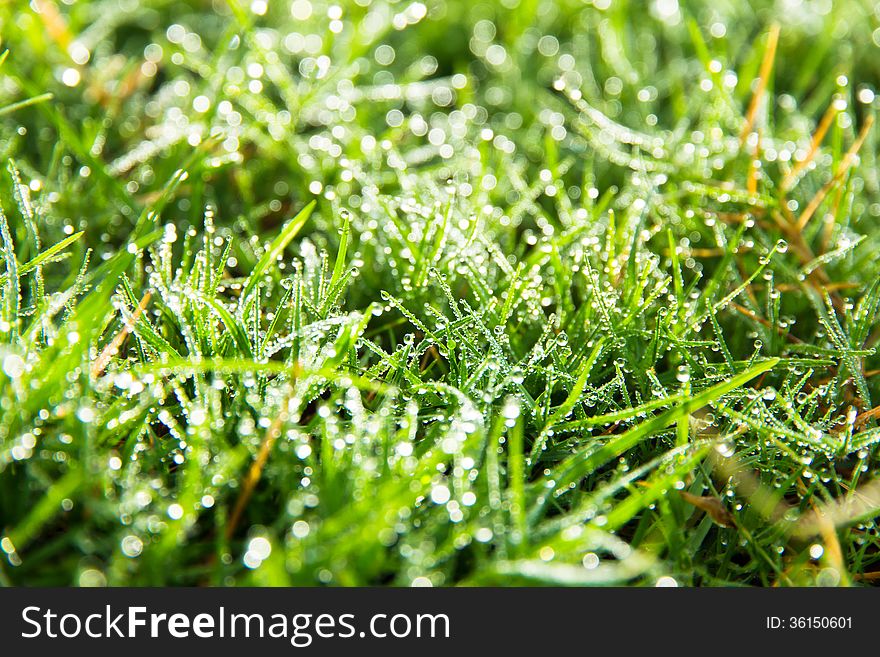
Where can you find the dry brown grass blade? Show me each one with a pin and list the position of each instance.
(712, 506)
(828, 533)
(764, 76)
(842, 169)
(748, 313)
(752, 182)
(132, 81)
(863, 501)
(112, 347)
(863, 418)
(818, 136)
(432, 354)
(830, 221)
(255, 472)
(53, 21)
(761, 498)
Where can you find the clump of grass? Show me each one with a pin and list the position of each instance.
(306, 293)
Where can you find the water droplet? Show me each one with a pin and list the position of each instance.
(13, 366)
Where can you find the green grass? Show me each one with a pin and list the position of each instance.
(395, 294)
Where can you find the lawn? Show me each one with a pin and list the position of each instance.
(381, 292)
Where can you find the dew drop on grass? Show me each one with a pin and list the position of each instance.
(132, 546)
(590, 560)
(13, 366)
(483, 535)
(510, 411)
(440, 494)
(92, 578)
(258, 550)
(828, 577)
(725, 448)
